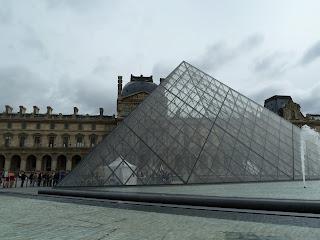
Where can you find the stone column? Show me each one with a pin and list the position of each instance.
(23, 163)
(69, 164)
(38, 164)
(54, 164)
(7, 163)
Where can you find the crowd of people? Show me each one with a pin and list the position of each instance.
(11, 179)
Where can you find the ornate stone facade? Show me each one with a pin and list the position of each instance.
(133, 93)
(48, 142)
(285, 107)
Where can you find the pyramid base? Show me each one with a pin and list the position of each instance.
(264, 204)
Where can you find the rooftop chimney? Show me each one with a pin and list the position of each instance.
(119, 85)
(8, 109)
(35, 110)
(49, 110)
(101, 111)
(22, 110)
(75, 110)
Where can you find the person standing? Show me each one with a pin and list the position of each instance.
(55, 179)
(5, 179)
(23, 177)
(51, 179)
(12, 179)
(39, 178)
(31, 179)
(45, 179)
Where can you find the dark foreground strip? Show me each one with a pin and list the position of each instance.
(247, 215)
(281, 205)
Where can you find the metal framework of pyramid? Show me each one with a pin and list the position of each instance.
(195, 129)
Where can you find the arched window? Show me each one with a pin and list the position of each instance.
(61, 163)
(75, 161)
(15, 163)
(46, 163)
(31, 163)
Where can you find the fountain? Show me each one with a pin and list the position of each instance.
(302, 151)
(311, 137)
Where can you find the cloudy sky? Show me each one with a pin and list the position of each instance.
(69, 53)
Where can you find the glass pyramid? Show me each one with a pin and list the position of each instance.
(195, 129)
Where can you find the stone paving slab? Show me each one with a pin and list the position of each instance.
(25, 218)
(29, 190)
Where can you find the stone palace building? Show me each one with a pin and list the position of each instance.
(35, 141)
(285, 107)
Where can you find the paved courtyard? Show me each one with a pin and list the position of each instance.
(27, 218)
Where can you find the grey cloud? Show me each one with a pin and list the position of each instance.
(5, 13)
(75, 5)
(97, 88)
(93, 98)
(219, 53)
(309, 99)
(251, 42)
(37, 46)
(102, 66)
(32, 42)
(272, 65)
(262, 94)
(311, 54)
(310, 102)
(22, 87)
(90, 92)
(161, 70)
